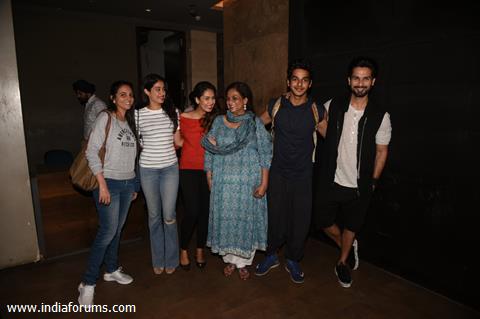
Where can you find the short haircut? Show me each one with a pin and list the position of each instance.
(83, 86)
(363, 62)
(299, 64)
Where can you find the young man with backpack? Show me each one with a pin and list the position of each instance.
(295, 119)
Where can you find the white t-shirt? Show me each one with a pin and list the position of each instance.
(346, 172)
(156, 131)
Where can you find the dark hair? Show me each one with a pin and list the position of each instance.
(244, 91)
(299, 64)
(220, 102)
(129, 115)
(197, 92)
(191, 98)
(363, 62)
(148, 82)
(199, 89)
(83, 86)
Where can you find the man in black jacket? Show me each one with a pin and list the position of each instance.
(355, 152)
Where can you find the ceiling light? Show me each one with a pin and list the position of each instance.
(148, 10)
(218, 6)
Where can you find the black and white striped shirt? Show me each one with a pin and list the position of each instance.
(156, 131)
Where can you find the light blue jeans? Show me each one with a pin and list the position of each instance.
(160, 187)
(111, 219)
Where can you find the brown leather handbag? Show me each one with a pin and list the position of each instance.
(80, 174)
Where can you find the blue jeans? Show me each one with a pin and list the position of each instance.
(160, 187)
(111, 219)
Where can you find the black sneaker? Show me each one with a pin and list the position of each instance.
(343, 275)
(352, 259)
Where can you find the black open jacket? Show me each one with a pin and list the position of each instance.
(366, 147)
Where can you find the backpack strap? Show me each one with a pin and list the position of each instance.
(316, 117)
(275, 109)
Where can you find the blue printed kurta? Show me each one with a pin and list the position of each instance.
(237, 221)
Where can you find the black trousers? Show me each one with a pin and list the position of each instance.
(289, 214)
(196, 199)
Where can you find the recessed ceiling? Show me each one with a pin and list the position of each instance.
(194, 13)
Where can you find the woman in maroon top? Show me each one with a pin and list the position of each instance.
(193, 181)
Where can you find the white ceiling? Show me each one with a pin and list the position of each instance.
(169, 11)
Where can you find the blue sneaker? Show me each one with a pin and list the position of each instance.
(270, 262)
(296, 273)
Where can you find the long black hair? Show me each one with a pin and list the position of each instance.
(197, 92)
(148, 82)
(129, 115)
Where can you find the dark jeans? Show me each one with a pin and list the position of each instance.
(289, 214)
(196, 199)
(111, 219)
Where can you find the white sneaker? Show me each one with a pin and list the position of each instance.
(86, 294)
(352, 259)
(118, 276)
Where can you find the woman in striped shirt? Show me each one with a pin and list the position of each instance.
(157, 125)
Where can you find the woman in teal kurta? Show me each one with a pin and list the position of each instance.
(237, 159)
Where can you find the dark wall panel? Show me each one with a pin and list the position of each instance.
(423, 221)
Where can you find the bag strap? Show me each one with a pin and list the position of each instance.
(275, 109)
(137, 127)
(107, 130)
(316, 117)
(139, 138)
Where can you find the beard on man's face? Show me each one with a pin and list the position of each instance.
(360, 91)
(82, 101)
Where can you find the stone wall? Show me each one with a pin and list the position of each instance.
(256, 46)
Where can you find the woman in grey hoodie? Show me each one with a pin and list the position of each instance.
(117, 186)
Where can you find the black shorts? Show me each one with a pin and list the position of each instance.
(344, 206)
